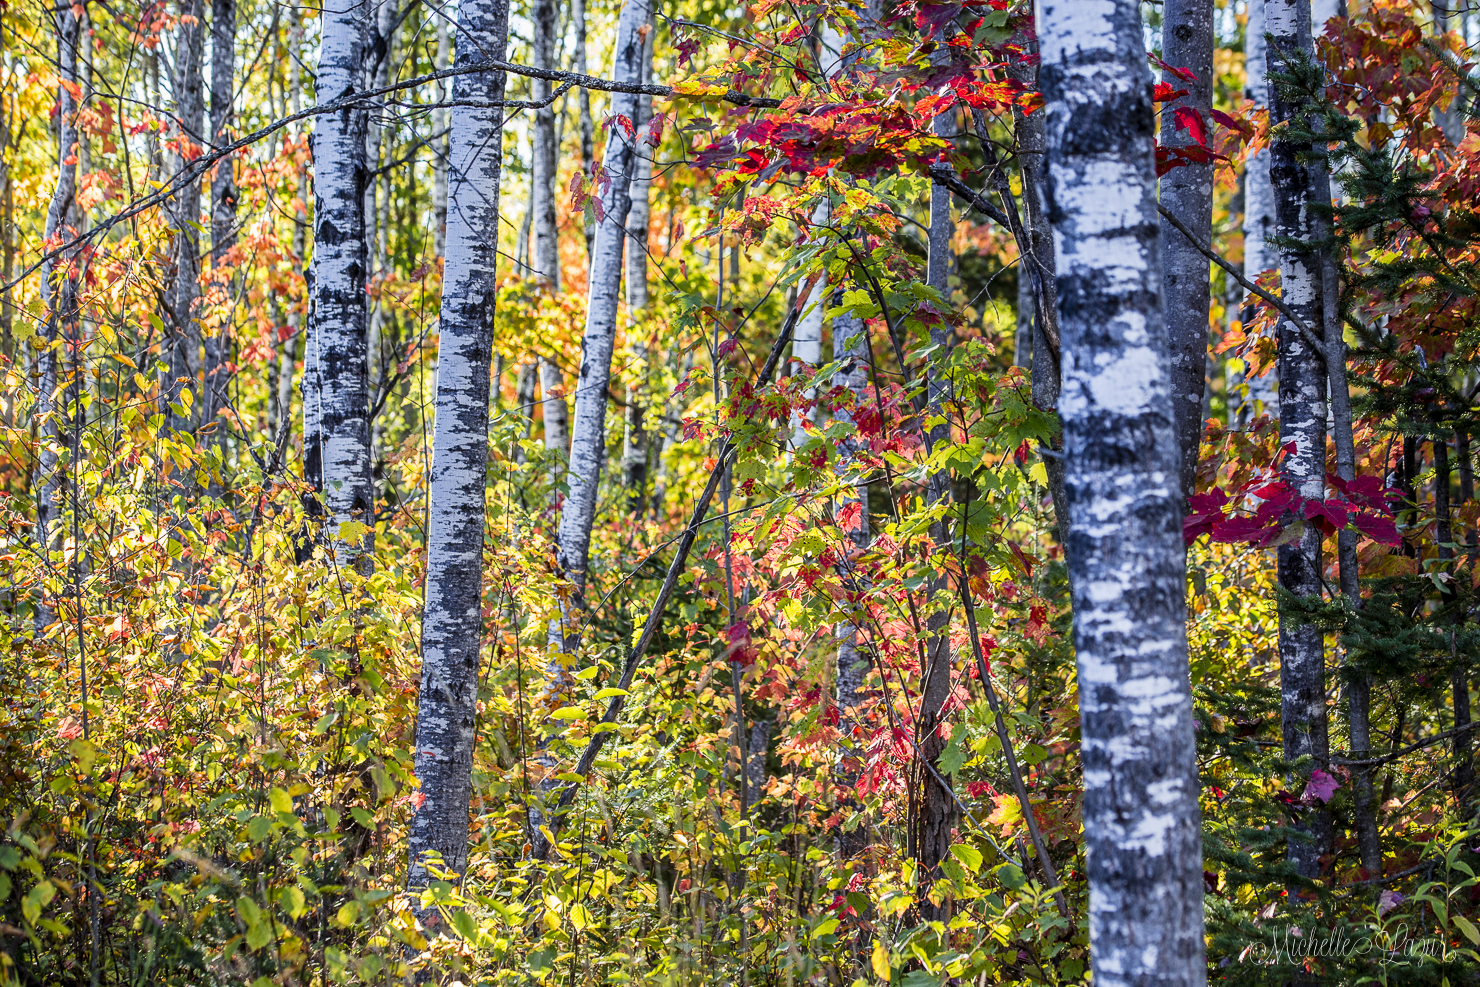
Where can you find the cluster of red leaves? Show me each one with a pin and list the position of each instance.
(1201, 148)
(1260, 511)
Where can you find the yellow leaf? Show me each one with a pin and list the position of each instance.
(124, 359)
(696, 87)
(880, 961)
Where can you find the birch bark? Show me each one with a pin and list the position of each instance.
(1302, 422)
(452, 621)
(636, 438)
(441, 124)
(338, 388)
(1187, 193)
(588, 429)
(542, 166)
(59, 280)
(183, 213)
(1262, 393)
(1127, 570)
(223, 189)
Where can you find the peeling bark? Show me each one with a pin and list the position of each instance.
(1127, 570)
(452, 620)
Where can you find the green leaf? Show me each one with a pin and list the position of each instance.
(608, 693)
(826, 928)
(956, 754)
(281, 801)
(464, 924)
(36, 899)
(970, 856)
(258, 827)
(1468, 928)
(568, 713)
(1010, 876)
(292, 902)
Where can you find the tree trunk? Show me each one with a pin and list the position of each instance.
(452, 620)
(588, 432)
(59, 281)
(543, 164)
(339, 389)
(441, 122)
(1032, 146)
(636, 438)
(183, 213)
(588, 147)
(1187, 193)
(223, 190)
(1262, 393)
(850, 348)
(1127, 568)
(555, 413)
(937, 808)
(1303, 422)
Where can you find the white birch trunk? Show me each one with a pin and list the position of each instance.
(338, 388)
(452, 621)
(546, 247)
(183, 213)
(1302, 422)
(636, 437)
(440, 138)
(1127, 569)
(1263, 392)
(588, 431)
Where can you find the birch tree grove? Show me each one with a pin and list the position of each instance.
(933, 608)
(452, 620)
(1126, 569)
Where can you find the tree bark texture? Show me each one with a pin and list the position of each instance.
(441, 123)
(59, 280)
(850, 349)
(1127, 568)
(937, 807)
(588, 427)
(1302, 422)
(1262, 392)
(183, 212)
(223, 190)
(339, 388)
(452, 622)
(583, 97)
(546, 249)
(637, 438)
(1187, 193)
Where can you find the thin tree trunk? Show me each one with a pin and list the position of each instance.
(440, 138)
(543, 165)
(588, 146)
(59, 280)
(1303, 422)
(1356, 681)
(1187, 193)
(937, 807)
(1466, 469)
(183, 213)
(223, 190)
(381, 51)
(588, 432)
(452, 620)
(339, 389)
(1459, 675)
(636, 438)
(1032, 147)
(555, 413)
(1127, 567)
(1259, 222)
(850, 349)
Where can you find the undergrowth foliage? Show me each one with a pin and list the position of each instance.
(207, 717)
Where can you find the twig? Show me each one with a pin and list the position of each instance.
(1426, 742)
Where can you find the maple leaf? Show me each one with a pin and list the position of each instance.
(1165, 92)
(1378, 527)
(1190, 120)
(1320, 787)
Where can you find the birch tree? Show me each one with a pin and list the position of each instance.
(338, 389)
(1127, 570)
(223, 187)
(543, 165)
(636, 438)
(1187, 193)
(184, 217)
(588, 427)
(452, 620)
(1302, 422)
